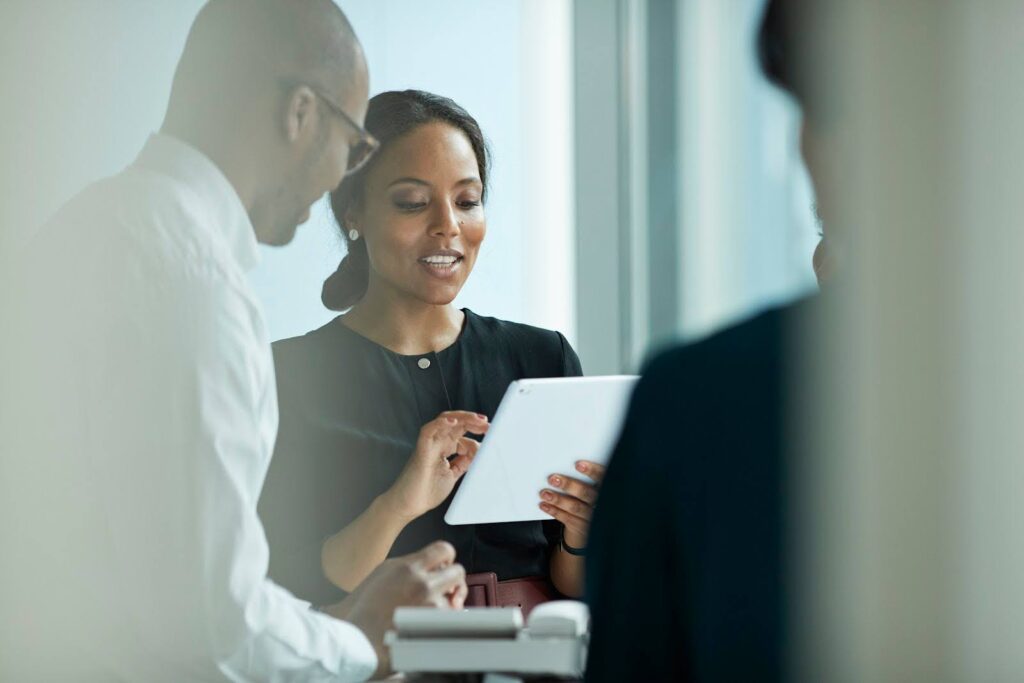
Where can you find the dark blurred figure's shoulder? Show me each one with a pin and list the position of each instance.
(685, 576)
(725, 364)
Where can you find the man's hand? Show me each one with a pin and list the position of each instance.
(428, 578)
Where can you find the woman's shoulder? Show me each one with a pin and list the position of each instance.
(319, 355)
(517, 333)
(510, 328)
(546, 351)
(312, 342)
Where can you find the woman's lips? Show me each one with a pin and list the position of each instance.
(442, 266)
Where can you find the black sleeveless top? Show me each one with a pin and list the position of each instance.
(351, 411)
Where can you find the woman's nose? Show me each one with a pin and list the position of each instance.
(446, 221)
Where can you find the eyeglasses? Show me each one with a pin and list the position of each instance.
(358, 154)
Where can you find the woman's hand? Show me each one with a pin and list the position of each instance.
(573, 503)
(432, 471)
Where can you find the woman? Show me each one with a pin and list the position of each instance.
(375, 403)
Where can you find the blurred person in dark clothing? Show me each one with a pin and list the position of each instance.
(704, 454)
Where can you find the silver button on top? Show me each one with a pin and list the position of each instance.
(424, 363)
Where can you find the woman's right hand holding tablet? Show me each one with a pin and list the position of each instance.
(443, 453)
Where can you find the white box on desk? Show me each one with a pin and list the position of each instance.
(520, 655)
(492, 640)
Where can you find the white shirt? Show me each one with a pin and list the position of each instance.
(136, 434)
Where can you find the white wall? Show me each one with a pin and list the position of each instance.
(85, 81)
(83, 84)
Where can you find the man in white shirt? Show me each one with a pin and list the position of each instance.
(138, 410)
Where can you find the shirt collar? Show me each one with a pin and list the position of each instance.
(186, 164)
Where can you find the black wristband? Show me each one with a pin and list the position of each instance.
(578, 552)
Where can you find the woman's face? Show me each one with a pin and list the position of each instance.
(422, 215)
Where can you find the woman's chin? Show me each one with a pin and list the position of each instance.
(440, 298)
(434, 294)
(439, 290)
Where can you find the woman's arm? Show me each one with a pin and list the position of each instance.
(350, 555)
(572, 504)
(567, 570)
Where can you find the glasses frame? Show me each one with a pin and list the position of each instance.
(362, 151)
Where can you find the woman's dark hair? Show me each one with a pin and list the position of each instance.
(390, 116)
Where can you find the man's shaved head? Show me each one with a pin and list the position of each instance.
(235, 45)
(273, 92)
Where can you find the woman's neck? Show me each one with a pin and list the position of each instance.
(403, 324)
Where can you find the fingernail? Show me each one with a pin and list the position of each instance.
(582, 467)
(545, 507)
(450, 420)
(555, 480)
(547, 495)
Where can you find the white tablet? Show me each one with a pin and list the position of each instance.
(542, 427)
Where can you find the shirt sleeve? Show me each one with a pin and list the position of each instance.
(187, 413)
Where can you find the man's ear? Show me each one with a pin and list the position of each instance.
(299, 113)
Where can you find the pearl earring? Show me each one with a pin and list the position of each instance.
(353, 235)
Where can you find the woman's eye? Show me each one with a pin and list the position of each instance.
(409, 206)
(469, 204)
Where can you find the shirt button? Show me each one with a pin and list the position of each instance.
(424, 363)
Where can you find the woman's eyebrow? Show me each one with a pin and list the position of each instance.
(418, 181)
(414, 181)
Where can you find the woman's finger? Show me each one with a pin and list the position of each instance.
(441, 437)
(592, 469)
(574, 487)
(570, 504)
(474, 423)
(446, 429)
(467, 446)
(466, 449)
(568, 520)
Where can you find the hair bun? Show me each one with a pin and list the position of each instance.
(347, 284)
